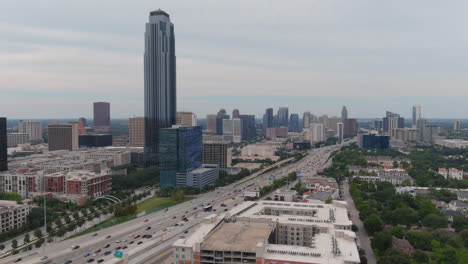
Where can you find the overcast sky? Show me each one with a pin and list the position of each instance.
(57, 57)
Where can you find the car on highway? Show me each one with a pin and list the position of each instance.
(148, 228)
(174, 217)
(68, 261)
(97, 251)
(146, 220)
(87, 255)
(107, 253)
(118, 241)
(117, 248)
(109, 236)
(18, 260)
(124, 247)
(140, 242)
(90, 260)
(44, 258)
(95, 234)
(75, 247)
(99, 261)
(131, 242)
(136, 236)
(108, 245)
(185, 231)
(95, 254)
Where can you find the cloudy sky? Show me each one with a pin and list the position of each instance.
(57, 57)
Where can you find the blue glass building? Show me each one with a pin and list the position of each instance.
(181, 150)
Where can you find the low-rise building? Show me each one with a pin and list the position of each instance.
(13, 182)
(12, 215)
(451, 173)
(277, 132)
(270, 232)
(120, 157)
(393, 176)
(285, 195)
(200, 177)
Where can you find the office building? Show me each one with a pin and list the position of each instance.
(316, 133)
(186, 119)
(273, 232)
(277, 132)
(63, 136)
(268, 118)
(13, 215)
(94, 141)
(235, 113)
(249, 131)
(84, 121)
(205, 175)
(332, 123)
(430, 133)
(350, 127)
(136, 132)
(378, 124)
(219, 153)
(306, 119)
(416, 115)
(283, 117)
(456, 125)
(33, 129)
(294, 123)
(219, 121)
(181, 150)
(211, 123)
(340, 130)
(101, 114)
(406, 134)
(159, 81)
(344, 113)
(371, 141)
(392, 121)
(232, 130)
(14, 139)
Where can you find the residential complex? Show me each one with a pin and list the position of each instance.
(12, 215)
(33, 129)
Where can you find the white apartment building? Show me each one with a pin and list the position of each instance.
(232, 130)
(451, 173)
(33, 129)
(13, 182)
(12, 215)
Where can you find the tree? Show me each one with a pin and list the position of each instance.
(381, 240)
(14, 243)
(395, 164)
(27, 239)
(392, 256)
(2, 247)
(373, 223)
(39, 243)
(420, 256)
(38, 233)
(434, 221)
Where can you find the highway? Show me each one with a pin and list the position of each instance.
(164, 226)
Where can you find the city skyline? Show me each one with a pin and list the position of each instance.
(385, 66)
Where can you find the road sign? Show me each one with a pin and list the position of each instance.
(118, 254)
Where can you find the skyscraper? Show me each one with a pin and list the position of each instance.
(232, 130)
(306, 120)
(235, 113)
(294, 123)
(136, 132)
(84, 121)
(211, 123)
(219, 121)
(350, 127)
(219, 153)
(456, 125)
(249, 131)
(32, 128)
(159, 80)
(268, 118)
(101, 114)
(283, 117)
(391, 121)
(344, 113)
(416, 115)
(181, 150)
(3, 144)
(340, 130)
(186, 119)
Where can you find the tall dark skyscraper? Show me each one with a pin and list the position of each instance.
(235, 113)
(160, 81)
(101, 114)
(219, 121)
(294, 123)
(268, 118)
(283, 117)
(248, 127)
(3, 144)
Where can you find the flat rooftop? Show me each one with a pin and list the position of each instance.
(238, 236)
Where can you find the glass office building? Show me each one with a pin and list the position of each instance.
(180, 151)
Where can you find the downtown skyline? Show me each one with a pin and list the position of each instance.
(224, 64)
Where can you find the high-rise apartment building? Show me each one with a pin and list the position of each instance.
(430, 133)
(14, 139)
(232, 130)
(219, 153)
(159, 81)
(101, 114)
(294, 123)
(211, 123)
(406, 134)
(277, 132)
(186, 119)
(3, 144)
(350, 127)
(268, 118)
(416, 115)
(283, 117)
(63, 136)
(33, 129)
(136, 132)
(181, 150)
(456, 125)
(344, 113)
(317, 132)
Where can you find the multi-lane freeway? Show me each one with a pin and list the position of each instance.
(147, 238)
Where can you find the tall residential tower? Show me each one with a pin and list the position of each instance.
(160, 81)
